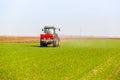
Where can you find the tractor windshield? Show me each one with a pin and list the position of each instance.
(49, 31)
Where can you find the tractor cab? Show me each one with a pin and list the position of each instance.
(49, 30)
(49, 36)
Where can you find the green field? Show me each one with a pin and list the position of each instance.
(73, 60)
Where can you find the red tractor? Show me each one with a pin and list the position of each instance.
(49, 37)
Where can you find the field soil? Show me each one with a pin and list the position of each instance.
(35, 39)
(19, 39)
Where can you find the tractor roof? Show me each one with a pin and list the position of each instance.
(50, 27)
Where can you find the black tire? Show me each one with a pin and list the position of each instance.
(56, 42)
(45, 45)
(41, 44)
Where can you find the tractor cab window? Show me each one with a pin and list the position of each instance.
(49, 31)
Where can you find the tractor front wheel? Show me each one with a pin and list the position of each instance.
(41, 44)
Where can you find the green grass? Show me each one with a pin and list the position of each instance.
(73, 60)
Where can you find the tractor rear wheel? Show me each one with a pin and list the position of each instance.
(56, 42)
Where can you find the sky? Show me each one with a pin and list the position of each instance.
(74, 17)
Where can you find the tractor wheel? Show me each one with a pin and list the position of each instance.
(56, 42)
(45, 45)
(41, 44)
